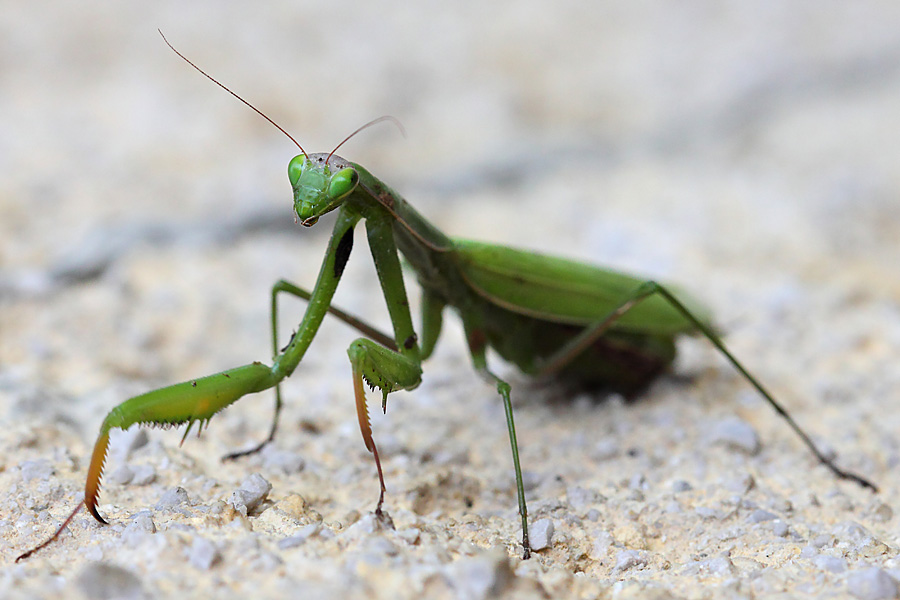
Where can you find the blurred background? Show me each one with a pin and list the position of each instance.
(748, 151)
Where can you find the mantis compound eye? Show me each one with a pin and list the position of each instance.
(295, 168)
(343, 182)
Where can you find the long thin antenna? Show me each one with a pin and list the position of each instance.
(367, 125)
(211, 78)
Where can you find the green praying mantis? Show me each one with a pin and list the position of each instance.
(549, 316)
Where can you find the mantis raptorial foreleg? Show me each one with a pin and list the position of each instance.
(385, 369)
(592, 333)
(199, 399)
(282, 286)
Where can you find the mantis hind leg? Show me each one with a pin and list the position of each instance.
(298, 292)
(582, 341)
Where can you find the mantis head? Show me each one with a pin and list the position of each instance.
(321, 182)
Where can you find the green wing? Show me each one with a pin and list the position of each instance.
(566, 291)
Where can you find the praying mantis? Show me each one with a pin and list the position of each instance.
(549, 316)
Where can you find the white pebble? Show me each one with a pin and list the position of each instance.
(605, 450)
(122, 475)
(680, 485)
(143, 475)
(541, 534)
(36, 469)
(833, 564)
(780, 528)
(629, 559)
(100, 580)
(486, 575)
(299, 538)
(204, 554)
(172, 498)
(252, 492)
(759, 515)
(736, 433)
(871, 584)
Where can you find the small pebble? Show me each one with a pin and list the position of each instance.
(736, 433)
(605, 450)
(882, 513)
(381, 546)
(603, 540)
(252, 492)
(871, 584)
(122, 475)
(172, 498)
(266, 562)
(832, 564)
(741, 484)
(300, 538)
(139, 530)
(673, 508)
(637, 482)
(721, 567)
(410, 535)
(143, 475)
(809, 553)
(366, 527)
(204, 554)
(707, 512)
(106, 582)
(541, 534)
(531, 480)
(486, 575)
(629, 559)
(680, 485)
(580, 498)
(143, 522)
(759, 515)
(780, 528)
(36, 469)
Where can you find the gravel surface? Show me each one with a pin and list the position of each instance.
(747, 151)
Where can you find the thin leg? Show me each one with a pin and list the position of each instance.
(367, 330)
(53, 537)
(432, 321)
(477, 349)
(570, 351)
(581, 342)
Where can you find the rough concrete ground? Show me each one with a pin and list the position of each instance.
(747, 151)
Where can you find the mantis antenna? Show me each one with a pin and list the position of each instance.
(366, 126)
(259, 112)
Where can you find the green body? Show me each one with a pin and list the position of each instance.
(529, 306)
(547, 315)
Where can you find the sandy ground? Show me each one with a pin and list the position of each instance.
(748, 152)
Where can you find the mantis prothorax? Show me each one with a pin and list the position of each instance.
(546, 315)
